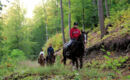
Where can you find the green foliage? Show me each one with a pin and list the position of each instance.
(17, 54)
(128, 77)
(32, 78)
(10, 62)
(118, 20)
(94, 73)
(14, 32)
(114, 63)
(56, 41)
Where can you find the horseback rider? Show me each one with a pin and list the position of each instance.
(50, 50)
(41, 58)
(50, 55)
(42, 53)
(74, 34)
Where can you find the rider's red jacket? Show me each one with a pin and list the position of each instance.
(74, 33)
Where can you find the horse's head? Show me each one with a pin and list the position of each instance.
(41, 56)
(83, 36)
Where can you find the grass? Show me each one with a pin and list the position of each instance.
(29, 67)
(60, 72)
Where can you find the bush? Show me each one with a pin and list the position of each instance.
(57, 41)
(17, 54)
(9, 62)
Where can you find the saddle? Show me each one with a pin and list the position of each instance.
(71, 46)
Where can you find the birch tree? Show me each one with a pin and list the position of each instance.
(107, 8)
(83, 15)
(62, 22)
(69, 16)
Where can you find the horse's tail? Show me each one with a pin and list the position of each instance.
(64, 57)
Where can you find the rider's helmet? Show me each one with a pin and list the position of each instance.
(75, 23)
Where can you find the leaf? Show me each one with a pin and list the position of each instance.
(108, 53)
(128, 77)
(106, 57)
(103, 50)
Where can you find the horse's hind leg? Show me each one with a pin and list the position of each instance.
(73, 64)
(81, 62)
(64, 60)
(75, 61)
(77, 65)
(53, 59)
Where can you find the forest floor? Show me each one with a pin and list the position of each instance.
(91, 71)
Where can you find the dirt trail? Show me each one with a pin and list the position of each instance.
(29, 63)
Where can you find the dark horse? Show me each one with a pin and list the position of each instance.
(50, 59)
(76, 50)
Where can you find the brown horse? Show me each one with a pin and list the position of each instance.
(41, 60)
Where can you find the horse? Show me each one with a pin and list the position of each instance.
(50, 59)
(41, 60)
(76, 50)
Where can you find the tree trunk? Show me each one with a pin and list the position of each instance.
(44, 9)
(0, 6)
(46, 24)
(58, 22)
(101, 18)
(83, 15)
(69, 21)
(62, 22)
(110, 3)
(56, 16)
(107, 8)
(46, 28)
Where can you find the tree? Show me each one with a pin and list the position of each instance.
(15, 33)
(12, 22)
(101, 18)
(0, 8)
(83, 15)
(45, 12)
(56, 15)
(107, 8)
(2, 5)
(62, 22)
(38, 26)
(53, 17)
(69, 21)
(1, 54)
(110, 4)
